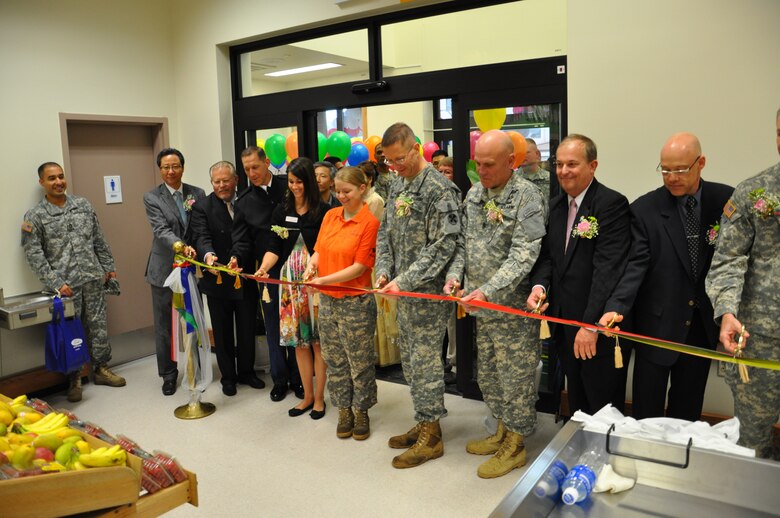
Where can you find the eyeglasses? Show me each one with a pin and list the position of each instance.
(665, 172)
(401, 161)
(176, 168)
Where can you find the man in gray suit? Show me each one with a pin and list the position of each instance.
(168, 209)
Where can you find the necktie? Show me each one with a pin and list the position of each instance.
(180, 203)
(570, 222)
(230, 208)
(692, 233)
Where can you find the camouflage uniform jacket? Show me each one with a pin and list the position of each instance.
(414, 248)
(497, 256)
(65, 245)
(743, 278)
(540, 178)
(382, 184)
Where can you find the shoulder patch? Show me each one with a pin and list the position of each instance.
(729, 209)
(27, 227)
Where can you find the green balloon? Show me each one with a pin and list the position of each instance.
(339, 145)
(275, 148)
(418, 140)
(322, 146)
(471, 172)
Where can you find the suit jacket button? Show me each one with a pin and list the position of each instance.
(691, 303)
(687, 323)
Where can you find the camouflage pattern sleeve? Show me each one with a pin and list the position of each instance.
(384, 251)
(32, 242)
(102, 249)
(457, 264)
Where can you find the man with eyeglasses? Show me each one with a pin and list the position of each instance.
(743, 286)
(662, 288)
(168, 209)
(417, 239)
(212, 223)
(583, 255)
(384, 175)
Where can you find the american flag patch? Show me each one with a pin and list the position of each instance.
(27, 227)
(729, 209)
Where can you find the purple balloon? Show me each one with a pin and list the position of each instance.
(359, 153)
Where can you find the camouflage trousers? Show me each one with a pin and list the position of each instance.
(757, 404)
(421, 326)
(347, 328)
(507, 356)
(89, 304)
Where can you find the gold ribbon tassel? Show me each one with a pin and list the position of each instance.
(618, 351)
(743, 371)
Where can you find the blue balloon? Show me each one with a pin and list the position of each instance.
(359, 153)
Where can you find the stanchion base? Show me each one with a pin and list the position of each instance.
(195, 410)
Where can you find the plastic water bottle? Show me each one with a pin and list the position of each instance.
(579, 482)
(550, 483)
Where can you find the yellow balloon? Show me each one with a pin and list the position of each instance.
(261, 143)
(356, 139)
(490, 119)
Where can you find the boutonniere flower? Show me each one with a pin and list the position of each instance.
(494, 213)
(280, 231)
(712, 234)
(587, 228)
(403, 205)
(763, 204)
(189, 201)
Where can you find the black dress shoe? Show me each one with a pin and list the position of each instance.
(295, 412)
(252, 380)
(169, 387)
(297, 390)
(279, 392)
(229, 389)
(318, 414)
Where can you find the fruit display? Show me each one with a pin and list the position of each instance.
(33, 443)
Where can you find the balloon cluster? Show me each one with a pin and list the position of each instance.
(279, 149)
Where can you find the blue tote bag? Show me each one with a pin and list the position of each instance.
(66, 346)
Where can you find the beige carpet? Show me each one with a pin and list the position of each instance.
(252, 459)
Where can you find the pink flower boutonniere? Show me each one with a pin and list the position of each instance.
(189, 201)
(762, 203)
(712, 234)
(494, 213)
(587, 228)
(403, 205)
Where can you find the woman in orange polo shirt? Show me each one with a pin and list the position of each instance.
(343, 256)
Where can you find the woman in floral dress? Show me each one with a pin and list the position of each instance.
(295, 225)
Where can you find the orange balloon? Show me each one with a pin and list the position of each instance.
(371, 143)
(291, 145)
(521, 147)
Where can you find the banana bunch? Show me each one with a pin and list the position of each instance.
(104, 457)
(49, 424)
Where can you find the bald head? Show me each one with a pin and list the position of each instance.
(495, 156)
(682, 152)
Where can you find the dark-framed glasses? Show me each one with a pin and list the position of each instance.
(665, 172)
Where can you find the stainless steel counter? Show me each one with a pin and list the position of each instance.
(713, 484)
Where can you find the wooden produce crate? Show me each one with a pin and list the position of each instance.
(111, 491)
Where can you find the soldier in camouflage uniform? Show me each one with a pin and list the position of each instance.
(417, 238)
(743, 286)
(65, 247)
(504, 219)
(532, 171)
(384, 175)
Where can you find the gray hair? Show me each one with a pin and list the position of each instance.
(220, 165)
(331, 168)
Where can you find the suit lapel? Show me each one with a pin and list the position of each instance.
(557, 223)
(167, 198)
(670, 216)
(583, 210)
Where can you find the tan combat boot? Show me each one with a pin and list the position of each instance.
(488, 445)
(362, 429)
(406, 440)
(104, 376)
(509, 456)
(429, 446)
(74, 386)
(346, 423)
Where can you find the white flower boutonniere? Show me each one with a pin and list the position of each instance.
(587, 228)
(280, 231)
(493, 212)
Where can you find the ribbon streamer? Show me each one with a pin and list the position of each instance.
(647, 340)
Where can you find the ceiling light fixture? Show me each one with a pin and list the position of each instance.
(303, 70)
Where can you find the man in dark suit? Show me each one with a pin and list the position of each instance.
(663, 285)
(212, 224)
(168, 209)
(582, 257)
(251, 234)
